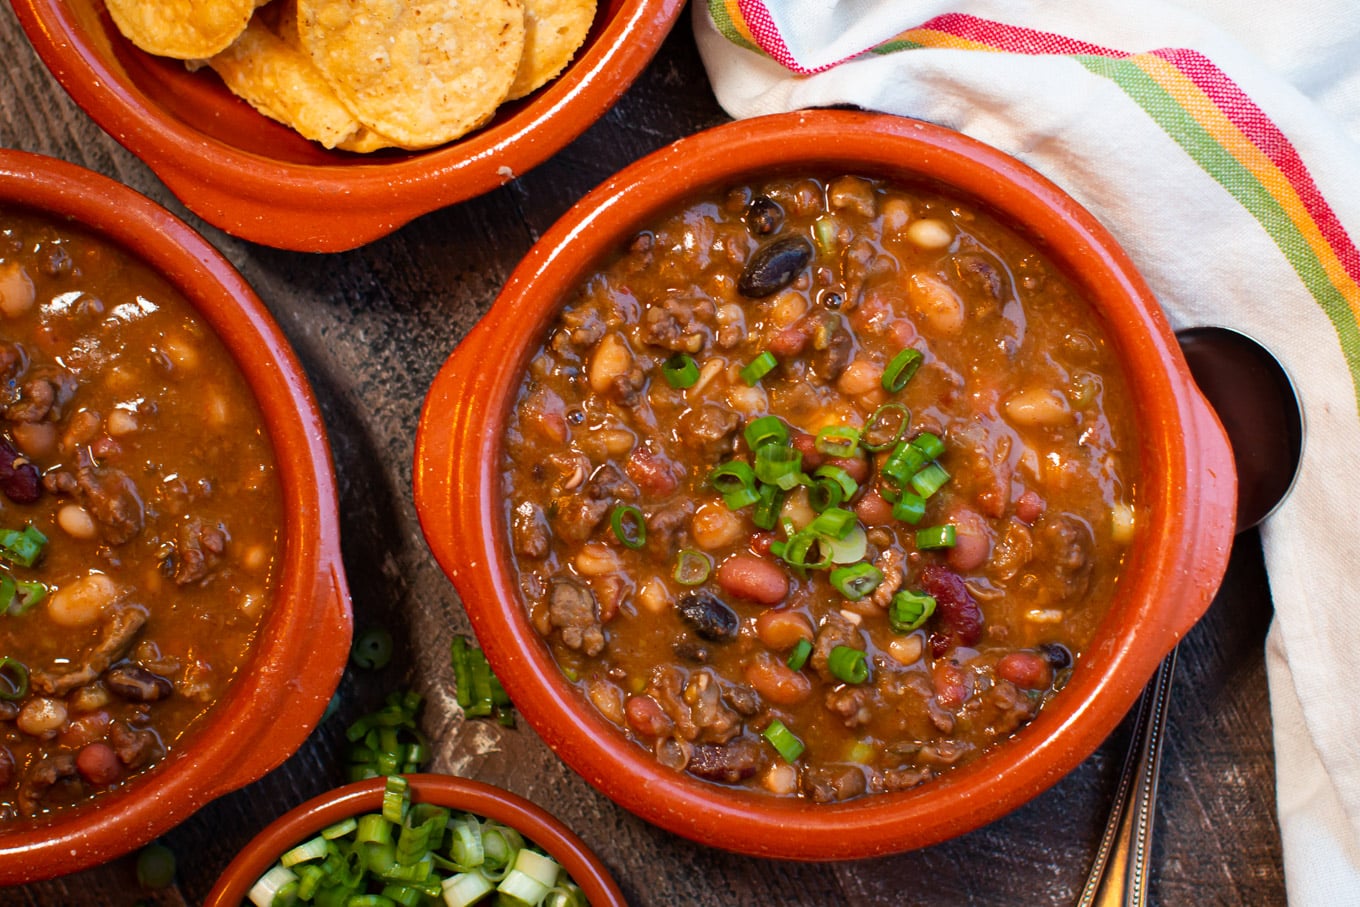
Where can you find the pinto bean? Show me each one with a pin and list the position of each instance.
(781, 629)
(42, 717)
(1024, 669)
(714, 526)
(973, 540)
(753, 578)
(646, 717)
(611, 360)
(98, 764)
(777, 682)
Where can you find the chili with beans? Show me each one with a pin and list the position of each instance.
(139, 517)
(821, 486)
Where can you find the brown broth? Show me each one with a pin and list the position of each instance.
(1017, 379)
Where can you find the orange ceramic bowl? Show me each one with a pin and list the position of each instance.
(259, 180)
(1174, 566)
(303, 645)
(537, 825)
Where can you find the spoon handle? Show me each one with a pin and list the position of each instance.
(1119, 874)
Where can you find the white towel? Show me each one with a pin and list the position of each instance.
(1219, 140)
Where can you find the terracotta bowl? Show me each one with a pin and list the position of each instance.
(1174, 567)
(536, 824)
(259, 180)
(303, 645)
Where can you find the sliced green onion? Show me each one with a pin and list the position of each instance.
(629, 526)
(807, 551)
(842, 478)
(900, 369)
(942, 536)
(824, 494)
(903, 463)
(743, 497)
(848, 664)
(837, 440)
(467, 850)
(315, 849)
(466, 888)
(909, 610)
(692, 567)
(885, 427)
(849, 549)
(271, 886)
(758, 368)
(732, 476)
(29, 594)
(13, 678)
(339, 829)
(909, 508)
(929, 445)
(784, 742)
(799, 656)
(834, 523)
(856, 581)
(22, 547)
(766, 513)
(566, 894)
(155, 866)
(929, 480)
(824, 231)
(766, 430)
(374, 828)
(680, 371)
(780, 466)
(372, 650)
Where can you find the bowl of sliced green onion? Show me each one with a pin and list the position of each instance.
(420, 839)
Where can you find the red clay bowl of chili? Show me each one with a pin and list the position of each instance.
(460, 795)
(827, 471)
(176, 616)
(257, 179)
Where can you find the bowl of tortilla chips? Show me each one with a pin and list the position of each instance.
(320, 125)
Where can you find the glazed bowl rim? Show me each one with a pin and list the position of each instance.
(458, 492)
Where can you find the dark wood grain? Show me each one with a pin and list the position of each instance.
(373, 325)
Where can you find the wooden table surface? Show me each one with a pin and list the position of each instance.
(372, 326)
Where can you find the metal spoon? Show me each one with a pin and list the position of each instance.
(1259, 407)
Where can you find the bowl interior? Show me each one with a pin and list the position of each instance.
(536, 824)
(457, 487)
(227, 748)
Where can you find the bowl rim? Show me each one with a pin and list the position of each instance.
(1189, 487)
(310, 597)
(292, 205)
(464, 794)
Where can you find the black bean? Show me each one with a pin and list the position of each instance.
(764, 216)
(1057, 655)
(19, 479)
(709, 616)
(136, 684)
(774, 267)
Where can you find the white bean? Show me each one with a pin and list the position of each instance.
(714, 526)
(611, 360)
(121, 422)
(906, 649)
(1038, 406)
(859, 377)
(42, 717)
(16, 290)
(896, 215)
(930, 233)
(653, 595)
(781, 779)
(82, 602)
(76, 522)
(936, 302)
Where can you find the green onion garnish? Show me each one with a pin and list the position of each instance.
(885, 427)
(779, 466)
(909, 611)
(692, 567)
(629, 525)
(680, 371)
(837, 440)
(766, 430)
(799, 656)
(758, 368)
(766, 513)
(806, 550)
(834, 523)
(857, 580)
(743, 497)
(929, 480)
(942, 536)
(901, 369)
(13, 678)
(909, 508)
(22, 547)
(372, 650)
(781, 738)
(478, 691)
(842, 478)
(929, 445)
(848, 664)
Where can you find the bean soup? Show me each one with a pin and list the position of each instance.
(821, 486)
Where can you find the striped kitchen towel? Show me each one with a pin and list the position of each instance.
(1219, 140)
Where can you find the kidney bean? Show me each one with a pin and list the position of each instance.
(753, 578)
(857, 467)
(653, 473)
(19, 479)
(957, 615)
(646, 717)
(806, 445)
(1024, 669)
(1029, 507)
(84, 729)
(873, 509)
(781, 629)
(98, 764)
(774, 266)
(952, 685)
(778, 683)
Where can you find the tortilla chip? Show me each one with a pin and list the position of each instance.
(182, 29)
(281, 82)
(553, 31)
(423, 72)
